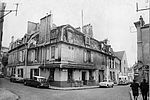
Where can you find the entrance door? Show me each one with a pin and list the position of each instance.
(83, 78)
(31, 73)
(101, 75)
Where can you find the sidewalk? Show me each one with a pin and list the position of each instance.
(139, 97)
(7, 95)
(73, 88)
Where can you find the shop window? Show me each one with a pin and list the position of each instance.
(91, 76)
(51, 75)
(36, 72)
(70, 75)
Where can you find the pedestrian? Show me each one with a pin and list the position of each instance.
(144, 89)
(135, 89)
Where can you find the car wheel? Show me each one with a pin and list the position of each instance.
(49, 86)
(25, 83)
(37, 86)
(112, 86)
(107, 86)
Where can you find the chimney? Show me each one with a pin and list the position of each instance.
(141, 21)
(12, 39)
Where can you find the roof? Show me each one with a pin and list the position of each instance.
(119, 54)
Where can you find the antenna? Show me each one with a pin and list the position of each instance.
(17, 4)
(137, 7)
(82, 20)
(9, 11)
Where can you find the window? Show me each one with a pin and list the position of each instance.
(32, 55)
(53, 52)
(70, 75)
(88, 57)
(87, 40)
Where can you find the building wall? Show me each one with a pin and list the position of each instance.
(146, 45)
(124, 65)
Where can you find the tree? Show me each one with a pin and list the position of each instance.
(5, 60)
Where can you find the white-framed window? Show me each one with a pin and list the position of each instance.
(32, 55)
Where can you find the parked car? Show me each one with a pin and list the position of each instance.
(106, 83)
(37, 81)
(1, 75)
(15, 78)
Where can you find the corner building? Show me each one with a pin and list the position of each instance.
(65, 56)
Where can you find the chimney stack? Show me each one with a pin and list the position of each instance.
(141, 21)
(12, 39)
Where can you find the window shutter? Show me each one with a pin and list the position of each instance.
(47, 54)
(50, 53)
(85, 56)
(91, 57)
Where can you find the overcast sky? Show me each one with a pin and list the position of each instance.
(110, 19)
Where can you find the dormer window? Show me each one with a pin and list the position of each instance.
(87, 40)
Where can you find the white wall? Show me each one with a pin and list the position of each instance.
(57, 75)
(77, 75)
(64, 75)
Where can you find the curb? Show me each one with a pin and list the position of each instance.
(76, 88)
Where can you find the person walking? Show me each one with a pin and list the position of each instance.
(144, 89)
(135, 89)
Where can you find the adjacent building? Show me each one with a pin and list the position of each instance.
(123, 68)
(62, 54)
(143, 50)
(4, 50)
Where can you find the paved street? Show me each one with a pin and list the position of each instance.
(31, 93)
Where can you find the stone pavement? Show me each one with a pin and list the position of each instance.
(7, 95)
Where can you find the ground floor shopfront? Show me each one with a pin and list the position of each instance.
(61, 75)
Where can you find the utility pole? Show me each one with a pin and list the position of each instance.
(2, 11)
(2, 15)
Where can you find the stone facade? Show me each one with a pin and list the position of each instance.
(67, 58)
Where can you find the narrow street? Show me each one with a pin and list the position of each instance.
(31, 93)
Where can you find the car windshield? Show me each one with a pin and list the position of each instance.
(105, 81)
(42, 80)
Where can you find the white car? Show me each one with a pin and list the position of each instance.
(106, 83)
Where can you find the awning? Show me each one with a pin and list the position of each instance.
(74, 66)
(50, 66)
(78, 66)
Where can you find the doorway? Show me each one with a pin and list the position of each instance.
(101, 75)
(83, 78)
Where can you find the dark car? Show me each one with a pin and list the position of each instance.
(37, 81)
(1, 75)
(15, 78)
